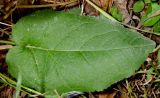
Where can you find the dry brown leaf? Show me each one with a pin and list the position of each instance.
(23, 95)
(89, 10)
(1, 3)
(106, 95)
(7, 92)
(122, 7)
(102, 4)
(130, 5)
(109, 5)
(156, 38)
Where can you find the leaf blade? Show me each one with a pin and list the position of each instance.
(67, 52)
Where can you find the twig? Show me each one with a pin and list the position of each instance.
(13, 84)
(5, 24)
(18, 85)
(155, 33)
(4, 47)
(157, 48)
(46, 5)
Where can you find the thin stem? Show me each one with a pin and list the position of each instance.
(5, 24)
(7, 83)
(101, 11)
(13, 83)
(157, 48)
(7, 42)
(46, 5)
(18, 85)
(129, 26)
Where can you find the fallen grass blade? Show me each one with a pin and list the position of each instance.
(12, 83)
(18, 86)
(5, 24)
(46, 5)
(6, 42)
(4, 47)
(101, 11)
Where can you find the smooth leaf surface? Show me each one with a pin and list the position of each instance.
(156, 27)
(67, 52)
(138, 6)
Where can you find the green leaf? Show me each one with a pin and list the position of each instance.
(158, 57)
(138, 6)
(67, 52)
(150, 21)
(147, 1)
(156, 27)
(116, 14)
